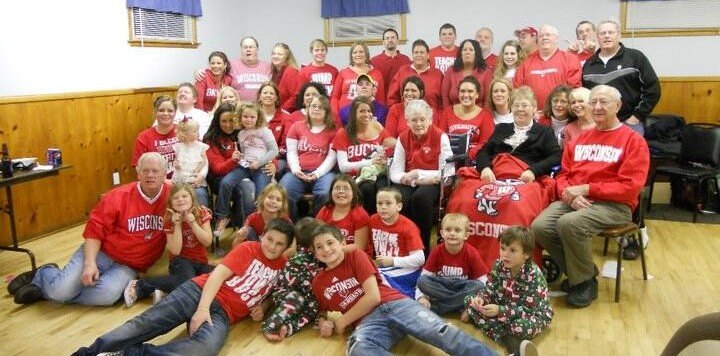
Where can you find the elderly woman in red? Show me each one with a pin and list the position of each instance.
(418, 164)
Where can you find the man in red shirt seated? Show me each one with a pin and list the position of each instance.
(603, 172)
(123, 236)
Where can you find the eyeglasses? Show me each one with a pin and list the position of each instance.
(341, 189)
(521, 106)
(317, 107)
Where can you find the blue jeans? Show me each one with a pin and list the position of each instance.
(296, 187)
(260, 180)
(65, 285)
(447, 294)
(389, 322)
(203, 196)
(232, 185)
(177, 308)
(180, 270)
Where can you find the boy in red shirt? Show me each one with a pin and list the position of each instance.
(209, 303)
(381, 315)
(453, 270)
(395, 242)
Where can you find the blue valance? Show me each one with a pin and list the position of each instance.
(355, 8)
(183, 7)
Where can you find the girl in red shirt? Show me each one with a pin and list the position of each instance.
(344, 210)
(187, 228)
(271, 203)
(216, 77)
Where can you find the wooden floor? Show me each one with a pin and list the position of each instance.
(682, 258)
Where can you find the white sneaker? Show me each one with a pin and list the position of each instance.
(528, 348)
(130, 293)
(157, 295)
(111, 353)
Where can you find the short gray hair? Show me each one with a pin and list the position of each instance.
(151, 156)
(550, 28)
(614, 23)
(612, 91)
(418, 106)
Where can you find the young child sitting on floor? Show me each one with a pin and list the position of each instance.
(395, 242)
(380, 314)
(295, 305)
(453, 270)
(514, 304)
(209, 303)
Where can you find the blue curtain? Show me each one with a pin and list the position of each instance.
(354, 8)
(183, 7)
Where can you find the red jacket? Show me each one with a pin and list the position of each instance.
(421, 153)
(220, 158)
(289, 84)
(208, 88)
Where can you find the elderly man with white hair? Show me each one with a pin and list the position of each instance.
(123, 236)
(485, 38)
(603, 172)
(548, 67)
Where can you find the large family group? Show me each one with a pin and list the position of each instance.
(371, 142)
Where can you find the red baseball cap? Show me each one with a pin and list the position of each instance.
(527, 29)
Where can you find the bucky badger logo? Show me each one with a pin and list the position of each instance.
(490, 194)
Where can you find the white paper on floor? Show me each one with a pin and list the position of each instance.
(609, 270)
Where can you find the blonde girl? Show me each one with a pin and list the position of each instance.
(191, 162)
(271, 203)
(188, 232)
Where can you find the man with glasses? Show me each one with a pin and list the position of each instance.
(390, 59)
(626, 69)
(603, 172)
(548, 67)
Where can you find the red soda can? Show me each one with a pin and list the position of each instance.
(54, 157)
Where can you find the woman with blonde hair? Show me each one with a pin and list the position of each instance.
(581, 118)
(512, 57)
(344, 89)
(285, 75)
(498, 100)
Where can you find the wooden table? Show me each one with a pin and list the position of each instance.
(8, 183)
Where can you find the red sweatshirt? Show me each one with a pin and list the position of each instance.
(208, 88)
(451, 85)
(431, 77)
(615, 163)
(324, 75)
(220, 158)
(388, 66)
(289, 84)
(542, 76)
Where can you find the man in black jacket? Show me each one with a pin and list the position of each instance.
(626, 69)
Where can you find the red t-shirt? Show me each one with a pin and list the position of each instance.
(356, 152)
(129, 227)
(256, 221)
(466, 264)
(396, 240)
(254, 276)
(481, 126)
(312, 148)
(192, 249)
(388, 66)
(441, 58)
(356, 219)
(451, 85)
(152, 141)
(324, 75)
(339, 288)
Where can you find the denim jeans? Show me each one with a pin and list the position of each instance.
(180, 270)
(447, 294)
(259, 180)
(234, 185)
(203, 196)
(175, 309)
(65, 285)
(296, 187)
(389, 322)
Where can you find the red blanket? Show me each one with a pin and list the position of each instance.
(493, 207)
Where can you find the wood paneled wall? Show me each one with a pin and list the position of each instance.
(695, 98)
(95, 131)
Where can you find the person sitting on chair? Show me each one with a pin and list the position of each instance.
(603, 172)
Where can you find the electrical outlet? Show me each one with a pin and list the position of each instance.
(116, 178)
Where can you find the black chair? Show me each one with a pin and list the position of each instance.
(459, 143)
(699, 160)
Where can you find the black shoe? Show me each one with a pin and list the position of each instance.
(28, 294)
(565, 286)
(511, 343)
(583, 294)
(631, 251)
(24, 279)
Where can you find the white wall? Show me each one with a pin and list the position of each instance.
(81, 45)
(52, 46)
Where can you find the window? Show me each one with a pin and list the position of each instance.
(149, 28)
(654, 18)
(343, 31)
